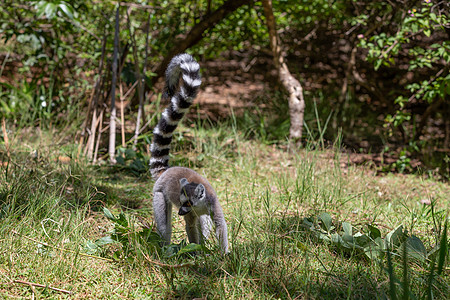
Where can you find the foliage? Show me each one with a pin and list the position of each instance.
(132, 160)
(135, 243)
(413, 41)
(396, 243)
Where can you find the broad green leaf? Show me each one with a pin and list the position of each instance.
(336, 239)
(347, 228)
(49, 10)
(108, 214)
(395, 237)
(361, 239)
(105, 241)
(308, 223)
(348, 238)
(374, 250)
(90, 247)
(326, 220)
(374, 232)
(67, 10)
(415, 248)
(323, 236)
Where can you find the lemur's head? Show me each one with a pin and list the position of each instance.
(192, 197)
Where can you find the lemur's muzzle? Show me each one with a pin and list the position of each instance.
(184, 210)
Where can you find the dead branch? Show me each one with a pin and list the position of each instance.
(32, 284)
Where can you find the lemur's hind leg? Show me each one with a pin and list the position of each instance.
(163, 216)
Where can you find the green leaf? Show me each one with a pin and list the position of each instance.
(117, 254)
(378, 64)
(190, 248)
(50, 10)
(90, 247)
(67, 10)
(375, 249)
(374, 232)
(415, 248)
(443, 252)
(108, 214)
(348, 241)
(361, 239)
(120, 160)
(106, 240)
(326, 220)
(308, 223)
(347, 228)
(336, 239)
(395, 237)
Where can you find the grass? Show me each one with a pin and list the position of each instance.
(51, 209)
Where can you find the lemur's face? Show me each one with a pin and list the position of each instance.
(192, 197)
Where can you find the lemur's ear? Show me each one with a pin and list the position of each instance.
(183, 182)
(200, 192)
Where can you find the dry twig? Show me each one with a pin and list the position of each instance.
(32, 284)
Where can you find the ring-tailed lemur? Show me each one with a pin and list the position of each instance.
(183, 187)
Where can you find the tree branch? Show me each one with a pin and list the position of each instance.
(196, 33)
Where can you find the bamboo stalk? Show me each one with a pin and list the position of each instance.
(122, 116)
(99, 136)
(93, 103)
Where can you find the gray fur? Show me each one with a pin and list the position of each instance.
(206, 208)
(190, 192)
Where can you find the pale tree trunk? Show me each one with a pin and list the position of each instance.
(292, 85)
(112, 122)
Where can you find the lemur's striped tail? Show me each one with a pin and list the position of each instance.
(181, 96)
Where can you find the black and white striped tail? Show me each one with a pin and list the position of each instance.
(181, 97)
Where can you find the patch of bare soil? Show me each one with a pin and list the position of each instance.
(233, 86)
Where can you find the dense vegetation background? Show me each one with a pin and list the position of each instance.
(377, 71)
(376, 83)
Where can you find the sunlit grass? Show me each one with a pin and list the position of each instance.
(51, 208)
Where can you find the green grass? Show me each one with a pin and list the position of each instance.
(266, 192)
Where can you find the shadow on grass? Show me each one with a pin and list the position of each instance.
(39, 184)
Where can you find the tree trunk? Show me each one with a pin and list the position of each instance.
(289, 82)
(112, 122)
